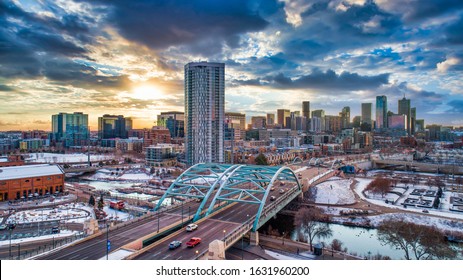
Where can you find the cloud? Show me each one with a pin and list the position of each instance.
(328, 80)
(199, 24)
(451, 63)
(456, 106)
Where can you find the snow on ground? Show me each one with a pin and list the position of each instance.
(118, 255)
(138, 196)
(63, 158)
(279, 256)
(137, 176)
(333, 210)
(300, 169)
(73, 212)
(63, 233)
(442, 224)
(363, 183)
(334, 191)
(114, 214)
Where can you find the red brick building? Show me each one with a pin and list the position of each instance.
(28, 181)
(156, 135)
(11, 160)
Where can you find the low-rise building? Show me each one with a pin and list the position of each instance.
(27, 181)
(160, 155)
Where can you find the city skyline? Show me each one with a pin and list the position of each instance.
(100, 58)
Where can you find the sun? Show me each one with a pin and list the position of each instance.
(147, 92)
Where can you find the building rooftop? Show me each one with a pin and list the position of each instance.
(26, 171)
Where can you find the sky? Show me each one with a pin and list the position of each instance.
(127, 57)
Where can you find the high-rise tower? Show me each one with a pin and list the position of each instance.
(381, 112)
(204, 112)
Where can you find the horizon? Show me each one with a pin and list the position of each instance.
(127, 58)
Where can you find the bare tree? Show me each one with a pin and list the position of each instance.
(380, 185)
(417, 241)
(308, 221)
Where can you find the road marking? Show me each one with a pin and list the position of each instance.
(179, 257)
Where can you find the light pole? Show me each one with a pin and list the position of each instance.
(9, 256)
(182, 213)
(107, 241)
(158, 217)
(224, 231)
(188, 212)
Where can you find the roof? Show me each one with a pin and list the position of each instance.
(27, 171)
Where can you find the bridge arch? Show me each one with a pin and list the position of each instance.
(296, 159)
(197, 182)
(251, 184)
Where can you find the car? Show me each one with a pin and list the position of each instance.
(272, 198)
(282, 183)
(191, 227)
(55, 229)
(193, 242)
(425, 211)
(175, 244)
(282, 191)
(272, 189)
(2, 227)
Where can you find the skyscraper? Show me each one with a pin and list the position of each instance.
(413, 120)
(204, 112)
(174, 121)
(345, 117)
(366, 113)
(306, 109)
(70, 129)
(270, 119)
(282, 114)
(321, 115)
(112, 126)
(381, 112)
(404, 109)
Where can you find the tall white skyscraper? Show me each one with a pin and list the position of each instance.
(204, 112)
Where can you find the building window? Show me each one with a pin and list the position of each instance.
(27, 181)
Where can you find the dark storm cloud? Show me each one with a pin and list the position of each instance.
(421, 10)
(328, 80)
(160, 24)
(457, 106)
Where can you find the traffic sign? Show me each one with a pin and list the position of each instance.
(109, 244)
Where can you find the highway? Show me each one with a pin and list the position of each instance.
(209, 230)
(95, 248)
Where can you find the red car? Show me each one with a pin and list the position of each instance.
(193, 242)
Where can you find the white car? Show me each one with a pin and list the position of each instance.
(191, 227)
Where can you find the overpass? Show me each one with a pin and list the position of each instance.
(239, 199)
(418, 166)
(226, 201)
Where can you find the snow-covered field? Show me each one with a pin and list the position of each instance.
(114, 215)
(64, 158)
(333, 191)
(442, 211)
(73, 212)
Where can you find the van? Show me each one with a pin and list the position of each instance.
(55, 229)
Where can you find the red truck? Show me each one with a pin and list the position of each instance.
(119, 205)
(193, 242)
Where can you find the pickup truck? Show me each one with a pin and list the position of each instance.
(193, 242)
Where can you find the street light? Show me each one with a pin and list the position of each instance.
(188, 212)
(224, 231)
(107, 241)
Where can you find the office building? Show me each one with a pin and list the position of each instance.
(366, 113)
(381, 112)
(70, 129)
(282, 115)
(321, 115)
(113, 126)
(405, 109)
(345, 117)
(413, 120)
(270, 119)
(204, 112)
(237, 122)
(258, 122)
(306, 109)
(174, 121)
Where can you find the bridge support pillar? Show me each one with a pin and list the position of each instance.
(216, 250)
(254, 240)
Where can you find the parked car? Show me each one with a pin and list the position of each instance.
(425, 211)
(272, 189)
(175, 244)
(193, 242)
(282, 191)
(272, 198)
(12, 226)
(191, 227)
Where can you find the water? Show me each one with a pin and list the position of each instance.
(107, 185)
(361, 241)
(364, 242)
